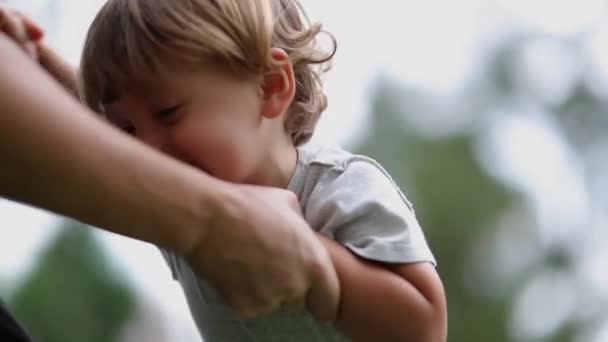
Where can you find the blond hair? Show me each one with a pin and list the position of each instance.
(129, 40)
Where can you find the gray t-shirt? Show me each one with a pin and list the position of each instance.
(347, 197)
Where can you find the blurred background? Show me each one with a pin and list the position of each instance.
(490, 114)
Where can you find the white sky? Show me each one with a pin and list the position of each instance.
(433, 44)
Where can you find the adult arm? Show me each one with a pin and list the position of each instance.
(57, 155)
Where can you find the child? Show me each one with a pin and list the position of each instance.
(232, 88)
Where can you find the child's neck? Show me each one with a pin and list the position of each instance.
(277, 166)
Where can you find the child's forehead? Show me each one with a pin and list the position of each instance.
(148, 85)
(150, 91)
(171, 83)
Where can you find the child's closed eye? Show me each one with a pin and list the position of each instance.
(129, 129)
(167, 114)
(123, 125)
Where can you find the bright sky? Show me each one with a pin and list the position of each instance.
(433, 44)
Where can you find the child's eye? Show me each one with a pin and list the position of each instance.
(167, 113)
(129, 129)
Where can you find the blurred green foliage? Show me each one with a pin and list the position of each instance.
(455, 197)
(73, 294)
(454, 200)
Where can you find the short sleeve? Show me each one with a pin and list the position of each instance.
(361, 207)
(171, 262)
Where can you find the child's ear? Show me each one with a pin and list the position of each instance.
(279, 86)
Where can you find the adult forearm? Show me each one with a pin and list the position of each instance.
(378, 305)
(57, 155)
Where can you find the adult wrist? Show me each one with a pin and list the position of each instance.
(215, 203)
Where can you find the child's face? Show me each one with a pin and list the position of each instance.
(204, 118)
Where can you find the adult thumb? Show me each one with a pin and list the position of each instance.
(34, 31)
(323, 298)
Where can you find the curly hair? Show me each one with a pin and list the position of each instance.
(129, 40)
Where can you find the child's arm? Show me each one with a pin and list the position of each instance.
(389, 288)
(388, 302)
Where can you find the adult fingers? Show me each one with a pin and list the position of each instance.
(293, 305)
(33, 30)
(247, 307)
(13, 26)
(323, 298)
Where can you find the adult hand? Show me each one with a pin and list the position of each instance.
(250, 242)
(21, 29)
(28, 35)
(260, 255)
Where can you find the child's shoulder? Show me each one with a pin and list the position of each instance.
(353, 200)
(334, 157)
(329, 168)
